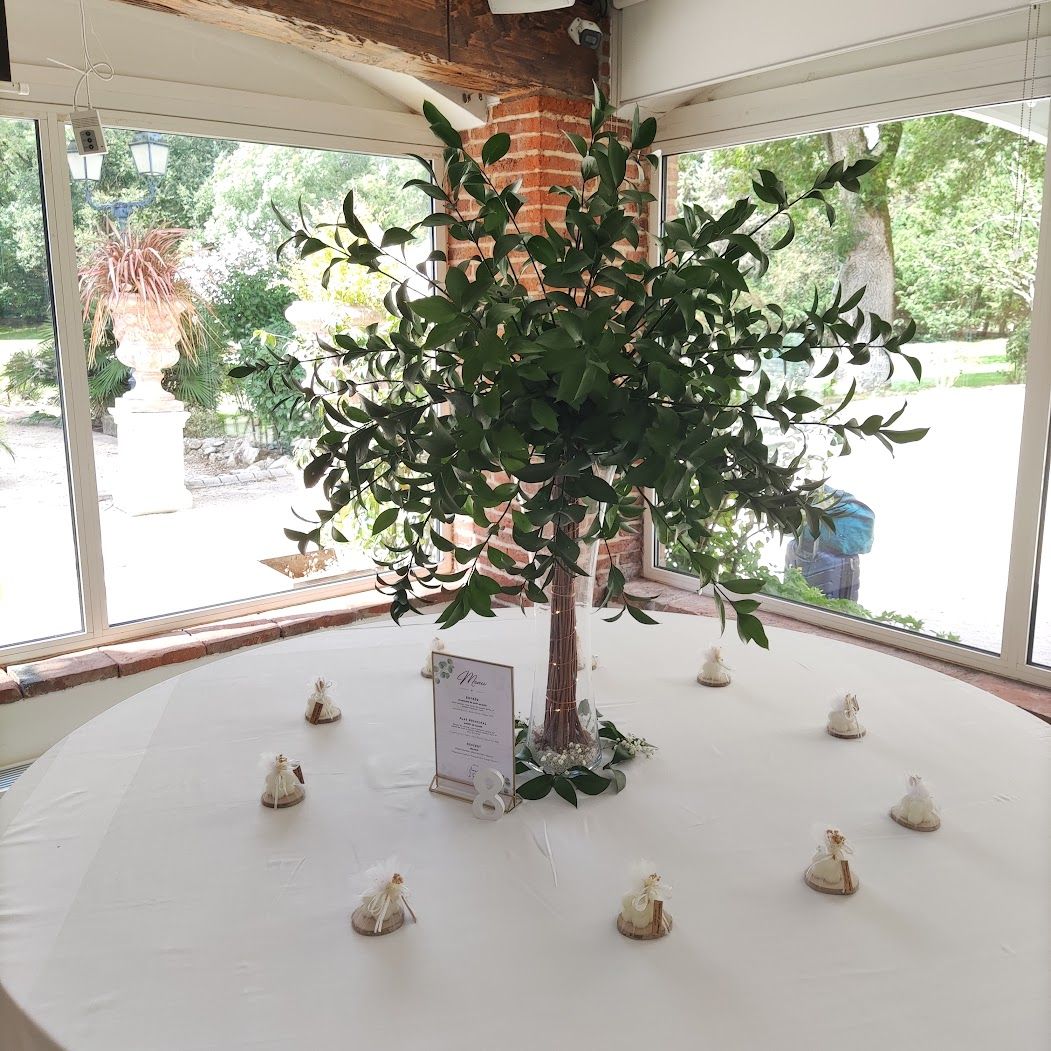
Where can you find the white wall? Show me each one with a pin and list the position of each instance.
(673, 45)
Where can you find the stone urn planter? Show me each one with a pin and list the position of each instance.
(147, 337)
(150, 420)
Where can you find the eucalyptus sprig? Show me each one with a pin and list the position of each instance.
(509, 384)
(618, 748)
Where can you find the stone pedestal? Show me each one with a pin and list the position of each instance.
(150, 421)
(150, 469)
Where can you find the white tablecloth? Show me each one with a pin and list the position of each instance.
(148, 901)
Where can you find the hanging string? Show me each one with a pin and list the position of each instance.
(1025, 122)
(102, 69)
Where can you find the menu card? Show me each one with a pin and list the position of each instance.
(474, 723)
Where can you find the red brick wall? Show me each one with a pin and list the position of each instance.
(542, 156)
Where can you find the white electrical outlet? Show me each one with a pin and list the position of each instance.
(87, 131)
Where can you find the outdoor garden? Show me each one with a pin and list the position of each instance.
(943, 235)
(208, 223)
(914, 554)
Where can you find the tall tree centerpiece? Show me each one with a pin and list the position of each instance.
(568, 403)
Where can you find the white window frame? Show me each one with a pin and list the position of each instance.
(913, 89)
(135, 103)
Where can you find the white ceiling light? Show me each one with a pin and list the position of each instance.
(525, 7)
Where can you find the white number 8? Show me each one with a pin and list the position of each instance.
(487, 804)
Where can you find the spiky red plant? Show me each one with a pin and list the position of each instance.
(146, 263)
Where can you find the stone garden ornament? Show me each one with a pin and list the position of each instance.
(132, 282)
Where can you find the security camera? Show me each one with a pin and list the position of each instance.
(585, 33)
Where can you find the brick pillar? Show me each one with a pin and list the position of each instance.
(542, 156)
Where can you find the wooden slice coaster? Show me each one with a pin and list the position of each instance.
(822, 888)
(285, 801)
(365, 924)
(847, 737)
(317, 722)
(645, 934)
(713, 685)
(917, 828)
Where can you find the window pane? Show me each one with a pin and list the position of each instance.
(39, 576)
(944, 234)
(200, 475)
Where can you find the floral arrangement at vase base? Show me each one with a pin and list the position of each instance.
(579, 767)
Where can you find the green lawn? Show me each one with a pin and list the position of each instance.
(26, 332)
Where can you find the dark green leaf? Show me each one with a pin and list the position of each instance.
(495, 147)
(536, 787)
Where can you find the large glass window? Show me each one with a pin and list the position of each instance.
(199, 475)
(39, 577)
(943, 234)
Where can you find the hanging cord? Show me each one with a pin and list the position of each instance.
(1025, 122)
(103, 69)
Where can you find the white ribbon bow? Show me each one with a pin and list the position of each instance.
(653, 889)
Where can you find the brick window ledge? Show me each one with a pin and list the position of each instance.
(51, 674)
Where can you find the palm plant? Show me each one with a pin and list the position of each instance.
(139, 263)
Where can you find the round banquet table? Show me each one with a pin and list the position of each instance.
(147, 900)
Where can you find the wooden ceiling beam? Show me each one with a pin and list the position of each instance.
(456, 42)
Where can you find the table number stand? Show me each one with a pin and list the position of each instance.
(466, 791)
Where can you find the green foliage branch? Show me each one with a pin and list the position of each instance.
(654, 370)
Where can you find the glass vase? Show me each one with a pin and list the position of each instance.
(563, 718)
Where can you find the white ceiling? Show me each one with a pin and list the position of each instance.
(674, 48)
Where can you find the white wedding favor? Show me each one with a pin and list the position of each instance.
(843, 721)
(829, 868)
(320, 708)
(916, 809)
(284, 781)
(383, 901)
(427, 671)
(642, 912)
(714, 672)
